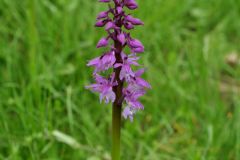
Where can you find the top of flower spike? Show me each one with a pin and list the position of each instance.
(130, 4)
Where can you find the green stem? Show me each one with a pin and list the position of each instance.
(116, 131)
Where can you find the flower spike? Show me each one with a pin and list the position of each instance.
(124, 85)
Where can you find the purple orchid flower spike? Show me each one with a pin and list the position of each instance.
(125, 86)
(114, 19)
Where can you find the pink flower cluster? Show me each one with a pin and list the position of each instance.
(117, 24)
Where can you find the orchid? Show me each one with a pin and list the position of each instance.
(125, 86)
(116, 58)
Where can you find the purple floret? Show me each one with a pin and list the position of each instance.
(104, 87)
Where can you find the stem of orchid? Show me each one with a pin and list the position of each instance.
(116, 132)
(117, 107)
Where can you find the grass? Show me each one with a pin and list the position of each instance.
(46, 114)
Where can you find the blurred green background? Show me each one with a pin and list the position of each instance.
(192, 60)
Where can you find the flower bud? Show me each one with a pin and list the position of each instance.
(138, 50)
(119, 10)
(110, 25)
(100, 23)
(131, 4)
(134, 43)
(128, 25)
(103, 42)
(134, 21)
(102, 15)
(121, 38)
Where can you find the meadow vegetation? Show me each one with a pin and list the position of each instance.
(192, 59)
